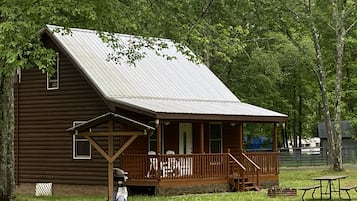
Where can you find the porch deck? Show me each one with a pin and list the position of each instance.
(197, 169)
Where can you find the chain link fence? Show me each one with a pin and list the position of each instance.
(311, 157)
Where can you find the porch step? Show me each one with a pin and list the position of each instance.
(237, 182)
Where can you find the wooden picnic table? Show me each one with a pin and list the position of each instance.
(330, 188)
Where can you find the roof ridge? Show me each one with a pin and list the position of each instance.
(52, 27)
(177, 99)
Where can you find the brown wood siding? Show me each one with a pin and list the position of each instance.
(139, 146)
(171, 137)
(43, 147)
(196, 137)
(230, 138)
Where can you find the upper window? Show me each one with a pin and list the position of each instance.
(53, 80)
(81, 145)
(215, 137)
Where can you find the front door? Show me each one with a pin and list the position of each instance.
(185, 138)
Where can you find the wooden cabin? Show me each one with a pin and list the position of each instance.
(171, 124)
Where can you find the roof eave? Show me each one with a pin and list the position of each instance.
(218, 117)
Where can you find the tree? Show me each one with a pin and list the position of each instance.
(324, 32)
(20, 46)
(327, 23)
(341, 10)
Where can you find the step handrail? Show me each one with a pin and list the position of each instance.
(256, 166)
(237, 162)
(241, 172)
(251, 161)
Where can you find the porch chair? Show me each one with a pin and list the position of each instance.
(173, 166)
(153, 163)
(186, 166)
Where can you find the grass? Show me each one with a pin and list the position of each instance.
(294, 178)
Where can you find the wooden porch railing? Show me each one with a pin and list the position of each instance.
(267, 161)
(173, 167)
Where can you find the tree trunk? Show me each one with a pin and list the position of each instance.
(7, 179)
(340, 30)
(321, 74)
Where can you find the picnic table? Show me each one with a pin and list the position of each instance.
(330, 187)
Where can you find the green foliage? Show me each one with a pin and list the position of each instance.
(20, 24)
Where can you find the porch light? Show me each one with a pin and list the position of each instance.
(232, 124)
(166, 123)
(157, 121)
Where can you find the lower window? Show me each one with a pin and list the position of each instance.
(81, 146)
(215, 137)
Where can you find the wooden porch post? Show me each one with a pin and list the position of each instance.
(240, 137)
(240, 152)
(110, 163)
(202, 142)
(158, 147)
(158, 136)
(275, 138)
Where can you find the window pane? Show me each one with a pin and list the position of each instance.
(215, 131)
(215, 138)
(153, 145)
(52, 84)
(216, 146)
(83, 148)
(53, 80)
(153, 136)
(78, 137)
(153, 142)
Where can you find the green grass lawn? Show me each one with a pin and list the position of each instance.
(294, 178)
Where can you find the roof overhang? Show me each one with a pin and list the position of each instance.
(106, 117)
(199, 110)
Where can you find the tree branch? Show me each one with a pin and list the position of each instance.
(350, 11)
(351, 26)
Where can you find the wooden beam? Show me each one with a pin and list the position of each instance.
(202, 138)
(98, 148)
(112, 133)
(158, 147)
(110, 162)
(240, 136)
(123, 147)
(275, 138)
(158, 133)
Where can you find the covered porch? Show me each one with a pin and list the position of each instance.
(189, 159)
(195, 169)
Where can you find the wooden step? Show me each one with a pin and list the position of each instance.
(237, 184)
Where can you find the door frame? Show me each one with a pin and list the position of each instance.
(185, 138)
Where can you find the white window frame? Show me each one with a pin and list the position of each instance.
(19, 75)
(50, 79)
(74, 144)
(211, 140)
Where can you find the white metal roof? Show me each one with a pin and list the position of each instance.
(155, 83)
